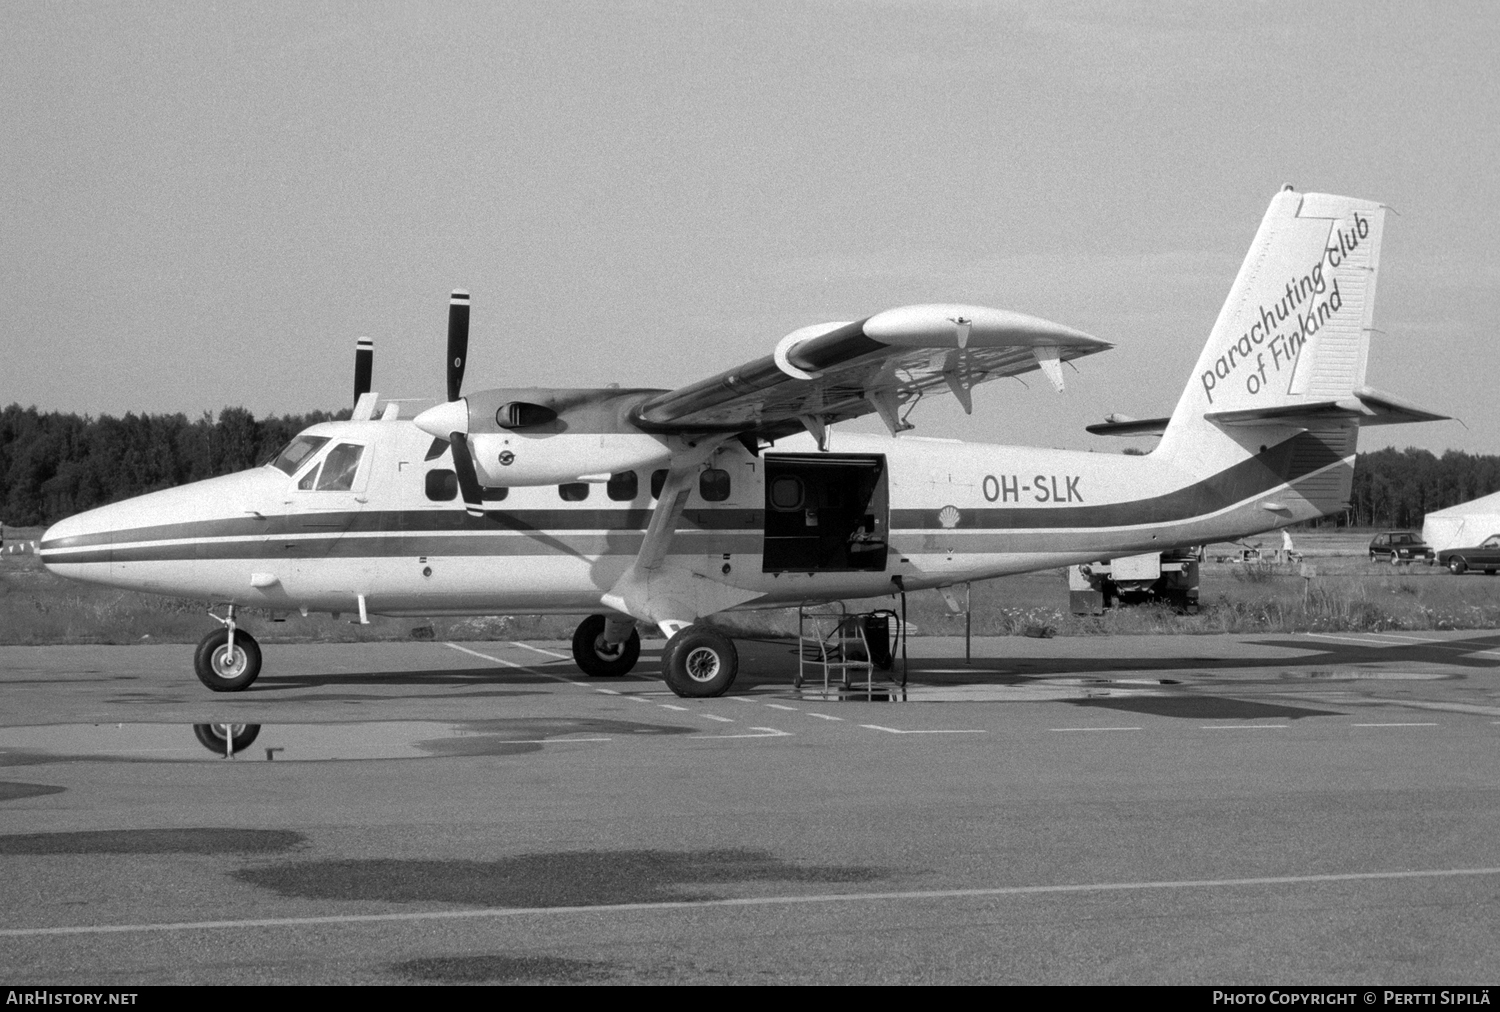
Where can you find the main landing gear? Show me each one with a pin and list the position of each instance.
(697, 661)
(228, 659)
(606, 646)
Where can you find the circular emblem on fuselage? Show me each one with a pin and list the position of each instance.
(948, 516)
(507, 458)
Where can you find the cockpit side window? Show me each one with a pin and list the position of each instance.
(340, 467)
(298, 452)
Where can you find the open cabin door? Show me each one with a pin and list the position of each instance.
(826, 513)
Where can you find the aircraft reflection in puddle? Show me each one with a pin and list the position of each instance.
(406, 739)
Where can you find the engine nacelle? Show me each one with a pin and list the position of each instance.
(516, 459)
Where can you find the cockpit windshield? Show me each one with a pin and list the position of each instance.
(297, 452)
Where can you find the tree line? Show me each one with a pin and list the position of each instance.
(54, 465)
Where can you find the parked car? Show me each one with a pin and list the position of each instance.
(1485, 556)
(1400, 548)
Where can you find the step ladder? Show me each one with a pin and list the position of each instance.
(831, 640)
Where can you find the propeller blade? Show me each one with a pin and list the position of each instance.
(458, 341)
(364, 365)
(468, 480)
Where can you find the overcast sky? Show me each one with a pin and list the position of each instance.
(204, 205)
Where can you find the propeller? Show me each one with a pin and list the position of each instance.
(458, 340)
(468, 480)
(458, 353)
(364, 365)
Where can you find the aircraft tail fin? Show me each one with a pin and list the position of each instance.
(1282, 377)
(1275, 384)
(1295, 328)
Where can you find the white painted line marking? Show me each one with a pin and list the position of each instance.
(778, 706)
(822, 716)
(518, 667)
(765, 732)
(638, 699)
(748, 901)
(1394, 725)
(497, 660)
(1239, 727)
(669, 706)
(1352, 639)
(1094, 729)
(742, 699)
(897, 730)
(539, 650)
(547, 741)
(721, 720)
(611, 692)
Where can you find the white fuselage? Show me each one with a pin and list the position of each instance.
(956, 512)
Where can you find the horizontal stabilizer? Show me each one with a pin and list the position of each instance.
(1122, 425)
(1388, 409)
(1366, 406)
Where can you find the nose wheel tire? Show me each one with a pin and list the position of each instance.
(224, 670)
(599, 659)
(699, 663)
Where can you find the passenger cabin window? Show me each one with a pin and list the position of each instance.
(658, 479)
(787, 493)
(297, 453)
(442, 486)
(574, 491)
(713, 484)
(623, 487)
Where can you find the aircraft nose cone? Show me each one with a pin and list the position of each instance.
(442, 420)
(76, 540)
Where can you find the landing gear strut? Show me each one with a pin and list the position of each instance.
(699, 662)
(606, 646)
(228, 659)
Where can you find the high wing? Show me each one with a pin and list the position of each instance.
(884, 363)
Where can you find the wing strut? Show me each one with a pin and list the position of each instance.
(670, 595)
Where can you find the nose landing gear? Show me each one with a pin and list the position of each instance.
(227, 659)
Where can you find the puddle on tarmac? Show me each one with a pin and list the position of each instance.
(1031, 691)
(395, 739)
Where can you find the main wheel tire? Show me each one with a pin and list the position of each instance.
(593, 656)
(1456, 565)
(699, 663)
(222, 672)
(212, 735)
(1395, 560)
(1374, 557)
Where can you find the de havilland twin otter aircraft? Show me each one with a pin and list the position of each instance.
(665, 507)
